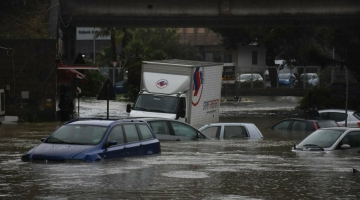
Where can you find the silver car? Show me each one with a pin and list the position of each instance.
(173, 130)
(338, 115)
(341, 139)
(249, 77)
(231, 130)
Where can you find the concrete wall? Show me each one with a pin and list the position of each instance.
(244, 61)
(28, 75)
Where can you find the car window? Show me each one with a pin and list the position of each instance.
(283, 125)
(298, 126)
(212, 131)
(131, 133)
(116, 134)
(145, 132)
(352, 139)
(183, 130)
(337, 116)
(235, 132)
(356, 115)
(326, 124)
(160, 127)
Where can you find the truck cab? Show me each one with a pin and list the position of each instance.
(171, 106)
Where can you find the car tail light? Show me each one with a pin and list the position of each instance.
(358, 123)
(339, 125)
(316, 126)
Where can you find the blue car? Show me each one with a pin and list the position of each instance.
(287, 79)
(119, 89)
(95, 140)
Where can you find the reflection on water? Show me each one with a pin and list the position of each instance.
(225, 169)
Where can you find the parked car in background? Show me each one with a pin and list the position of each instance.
(352, 116)
(231, 130)
(342, 139)
(119, 88)
(95, 140)
(287, 79)
(309, 78)
(249, 77)
(299, 124)
(173, 130)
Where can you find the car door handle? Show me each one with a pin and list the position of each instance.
(177, 140)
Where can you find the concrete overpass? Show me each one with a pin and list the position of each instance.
(209, 13)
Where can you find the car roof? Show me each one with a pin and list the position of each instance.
(335, 110)
(340, 128)
(309, 119)
(230, 123)
(97, 122)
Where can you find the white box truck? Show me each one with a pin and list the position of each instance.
(2, 105)
(189, 91)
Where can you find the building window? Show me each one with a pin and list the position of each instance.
(218, 57)
(254, 57)
(201, 30)
(227, 58)
(180, 30)
(189, 30)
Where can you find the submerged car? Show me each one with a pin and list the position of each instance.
(352, 117)
(173, 130)
(95, 140)
(231, 130)
(287, 79)
(342, 139)
(299, 124)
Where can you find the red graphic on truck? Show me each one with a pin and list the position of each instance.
(198, 80)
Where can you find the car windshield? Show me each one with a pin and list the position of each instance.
(284, 76)
(327, 124)
(322, 138)
(77, 134)
(245, 76)
(152, 103)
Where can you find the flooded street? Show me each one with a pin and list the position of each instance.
(228, 169)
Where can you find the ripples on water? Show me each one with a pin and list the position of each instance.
(226, 169)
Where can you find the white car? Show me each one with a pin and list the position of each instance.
(339, 115)
(310, 78)
(341, 139)
(249, 77)
(231, 130)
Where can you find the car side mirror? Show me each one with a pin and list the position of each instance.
(182, 113)
(42, 139)
(128, 108)
(112, 143)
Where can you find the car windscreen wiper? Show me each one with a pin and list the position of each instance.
(154, 110)
(315, 145)
(139, 108)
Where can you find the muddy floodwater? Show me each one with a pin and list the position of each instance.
(228, 169)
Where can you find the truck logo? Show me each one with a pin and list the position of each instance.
(198, 85)
(162, 83)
